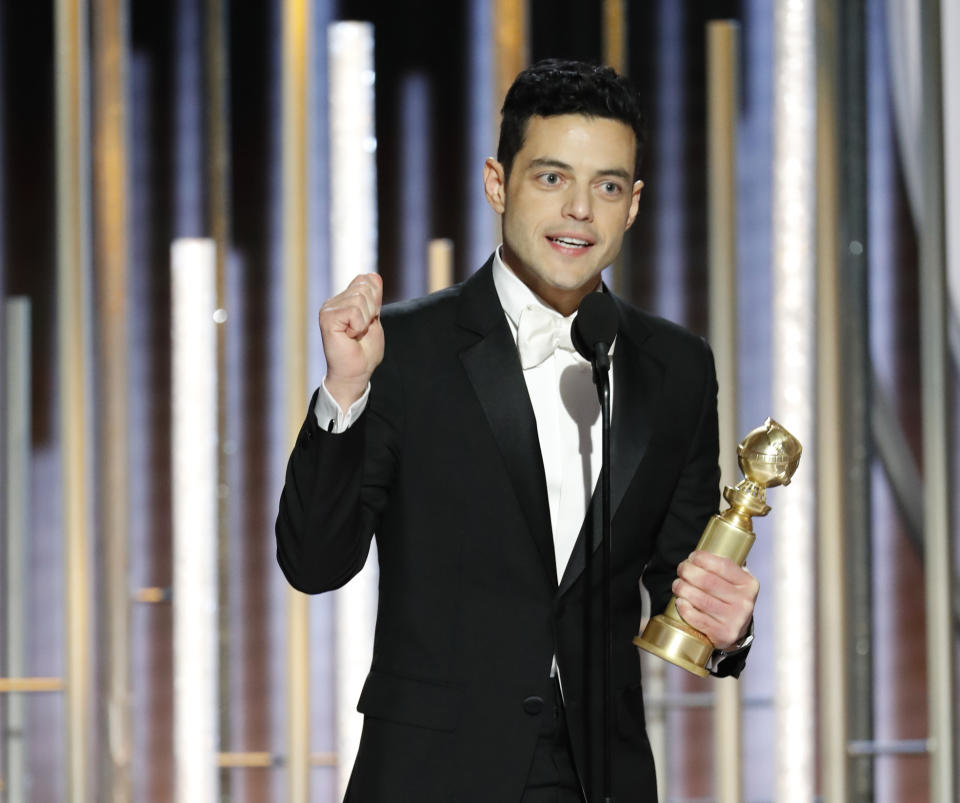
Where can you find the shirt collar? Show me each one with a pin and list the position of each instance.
(514, 294)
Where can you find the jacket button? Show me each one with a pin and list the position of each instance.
(533, 705)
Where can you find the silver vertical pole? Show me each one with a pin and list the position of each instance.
(482, 122)
(112, 258)
(834, 730)
(935, 378)
(856, 396)
(17, 473)
(218, 217)
(722, 81)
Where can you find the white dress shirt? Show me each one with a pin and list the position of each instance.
(567, 411)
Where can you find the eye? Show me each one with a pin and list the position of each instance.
(611, 188)
(550, 179)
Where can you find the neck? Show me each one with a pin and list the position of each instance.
(563, 300)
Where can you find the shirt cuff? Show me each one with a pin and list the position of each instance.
(719, 656)
(329, 415)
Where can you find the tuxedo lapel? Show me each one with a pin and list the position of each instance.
(637, 383)
(493, 368)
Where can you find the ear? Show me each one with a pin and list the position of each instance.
(634, 203)
(495, 185)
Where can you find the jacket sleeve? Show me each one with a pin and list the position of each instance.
(335, 488)
(695, 498)
(696, 495)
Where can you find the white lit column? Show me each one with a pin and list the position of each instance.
(794, 392)
(353, 250)
(194, 348)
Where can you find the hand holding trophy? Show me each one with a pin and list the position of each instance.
(768, 457)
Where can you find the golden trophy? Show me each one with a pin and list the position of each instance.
(768, 456)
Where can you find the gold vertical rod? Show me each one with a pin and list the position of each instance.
(936, 383)
(73, 220)
(615, 35)
(110, 160)
(218, 195)
(16, 520)
(832, 651)
(296, 60)
(511, 54)
(722, 105)
(510, 43)
(615, 55)
(440, 264)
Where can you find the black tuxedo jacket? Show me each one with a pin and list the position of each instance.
(445, 467)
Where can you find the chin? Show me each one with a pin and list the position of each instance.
(584, 283)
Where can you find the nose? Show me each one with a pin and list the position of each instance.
(578, 203)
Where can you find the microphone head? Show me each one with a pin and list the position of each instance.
(596, 323)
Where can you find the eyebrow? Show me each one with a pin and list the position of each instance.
(617, 172)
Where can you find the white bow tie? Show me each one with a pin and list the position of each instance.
(540, 333)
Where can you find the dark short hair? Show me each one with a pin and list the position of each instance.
(555, 86)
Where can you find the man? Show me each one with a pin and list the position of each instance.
(463, 431)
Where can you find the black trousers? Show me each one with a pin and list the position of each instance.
(553, 776)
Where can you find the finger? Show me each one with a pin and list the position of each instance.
(697, 619)
(366, 291)
(717, 564)
(354, 308)
(350, 315)
(703, 601)
(722, 632)
(721, 567)
(371, 285)
(738, 607)
(728, 587)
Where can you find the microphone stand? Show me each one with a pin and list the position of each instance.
(601, 378)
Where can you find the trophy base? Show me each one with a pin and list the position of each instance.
(677, 643)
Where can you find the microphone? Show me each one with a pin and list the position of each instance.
(594, 329)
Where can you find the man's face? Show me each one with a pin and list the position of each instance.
(569, 199)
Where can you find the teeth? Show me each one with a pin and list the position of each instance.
(570, 241)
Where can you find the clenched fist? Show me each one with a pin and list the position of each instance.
(352, 337)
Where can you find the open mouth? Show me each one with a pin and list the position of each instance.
(570, 242)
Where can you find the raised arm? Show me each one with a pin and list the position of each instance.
(336, 484)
